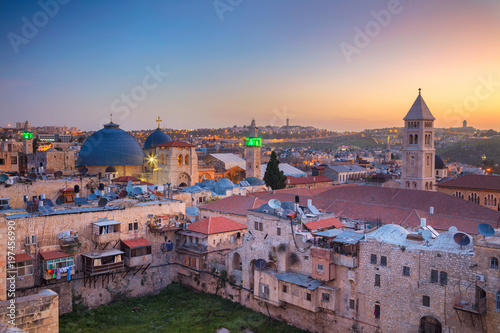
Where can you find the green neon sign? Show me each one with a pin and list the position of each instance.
(253, 142)
(27, 135)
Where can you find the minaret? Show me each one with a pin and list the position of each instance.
(418, 148)
(252, 152)
(387, 153)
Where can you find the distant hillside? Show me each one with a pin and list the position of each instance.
(470, 151)
(354, 140)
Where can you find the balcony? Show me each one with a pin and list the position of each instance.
(199, 248)
(345, 260)
(102, 262)
(105, 231)
(477, 306)
(334, 257)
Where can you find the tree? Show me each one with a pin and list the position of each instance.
(273, 177)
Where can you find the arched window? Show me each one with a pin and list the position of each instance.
(428, 160)
(412, 160)
(166, 159)
(473, 197)
(162, 159)
(416, 139)
(414, 184)
(411, 140)
(498, 301)
(186, 160)
(427, 186)
(179, 159)
(376, 311)
(407, 184)
(494, 263)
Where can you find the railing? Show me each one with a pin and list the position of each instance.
(195, 247)
(345, 260)
(477, 306)
(105, 238)
(102, 269)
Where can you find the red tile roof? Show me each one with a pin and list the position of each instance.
(307, 180)
(215, 225)
(175, 143)
(51, 255)
(324, 224)
(138, 242)
(236, 204)
(479, 182)
(125, 179)
(22, 257)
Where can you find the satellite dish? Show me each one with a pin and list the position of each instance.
(486, 230)
(58, 174)
(60, 200)
(3, 178)
(152, 197)
(91, 197)
(137, 190)
(260, 264)
(32, 176)
(461, 239)
(32, 209)
(102, 202)
(130, 189)
(122, 194)
(426, 234)
(274, 203)
(98, 193)
(453, 229)
(129, 183)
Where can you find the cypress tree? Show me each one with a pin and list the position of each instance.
(273, 177)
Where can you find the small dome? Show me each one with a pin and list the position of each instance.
(439, 163)
(110, 169)
(254, 181)
(110, 146)
(158, 137)
(224, 182)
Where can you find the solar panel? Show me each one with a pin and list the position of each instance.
(81, 201)
(48, 202)
(49, 210)
(43, 210)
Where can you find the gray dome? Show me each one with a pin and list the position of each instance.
(224, 182)
(110, 146)
(439, 163)
(156, 138)
(254, 181)
(110, 169)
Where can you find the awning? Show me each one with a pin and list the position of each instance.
(138, 242)
(106, 253)
(105, 223)
(331, 233)
(348, 237)
(51, 255)
(302, 280)
(22, 257)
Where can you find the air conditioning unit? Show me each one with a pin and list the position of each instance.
(480, 278)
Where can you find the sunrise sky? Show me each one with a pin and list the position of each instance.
(229, 61)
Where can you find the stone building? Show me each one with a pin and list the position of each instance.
(176, 163)
(52, 160)
(480, 189)
(418, 148)
(342, 174)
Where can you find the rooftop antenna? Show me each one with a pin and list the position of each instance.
(426, 234)
(486, 230)
(102, 202)
(461, 239)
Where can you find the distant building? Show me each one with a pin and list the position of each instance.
(465, 124)
(418, 148)
(341, 174)
(481, 189)
(252, 152)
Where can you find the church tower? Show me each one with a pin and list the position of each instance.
(252, 152)
(418, 148)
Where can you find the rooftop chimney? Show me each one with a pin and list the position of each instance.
(431, 210)
(423, 222)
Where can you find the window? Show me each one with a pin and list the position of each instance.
(493, 263)
(383, 261)
(2, 161)
(179, 159)
(57, 263)
(295, 291)
(373, 259)
(306, 257)
(319, 268)
(278, 231)
(434, 276)
(426, 301)
(325, 297)
(443, 278)
(24, 268)
(140, 251)
(352, 304)
(259, 226)
(406, 271)
(377, 311)
(186, 160)
(498, 301)
(377, 280)
(13, 160)
(308, 297)
(285, 289)
(130, 226)
(27, 240)
(136, 225)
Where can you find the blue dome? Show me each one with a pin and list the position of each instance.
(254, 181)
(158, 137)
(110, 146)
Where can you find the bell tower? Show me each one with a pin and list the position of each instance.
(418, 147)
(252, 152)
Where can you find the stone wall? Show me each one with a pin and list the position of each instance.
(37, 313)
(50, 188)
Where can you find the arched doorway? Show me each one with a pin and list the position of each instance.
(429, 324)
